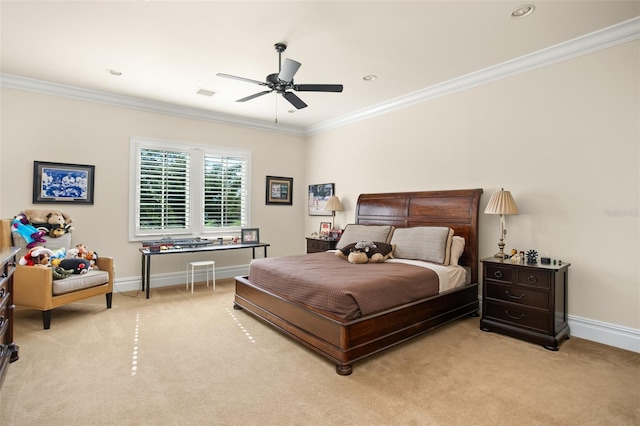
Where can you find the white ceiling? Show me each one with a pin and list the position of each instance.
(167, 50)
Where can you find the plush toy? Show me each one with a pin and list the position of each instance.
(84, 253)
(77, 265)
(366, 252)
(54, 222)
(29, 233)
(36, 256)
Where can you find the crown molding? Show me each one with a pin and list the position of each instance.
(602, 39)
(598, 40)
(28, 84)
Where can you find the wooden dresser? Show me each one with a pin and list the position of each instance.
(8, 349)
(525, 301)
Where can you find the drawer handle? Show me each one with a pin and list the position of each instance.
(519, 317)
(498, 274)
(532, 279)
(3, 275)
(514, 297)
(2, 291)
(2, 318)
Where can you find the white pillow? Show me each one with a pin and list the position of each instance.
(353, 233)
(457, 248)
(428, 243)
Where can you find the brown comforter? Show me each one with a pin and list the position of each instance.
(331, 284)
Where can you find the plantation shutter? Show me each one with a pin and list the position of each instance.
(225, 191)
(163, 200)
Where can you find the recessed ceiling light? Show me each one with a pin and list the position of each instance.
(114, 72)
(523, 11)
(369, 77)
(205, 92)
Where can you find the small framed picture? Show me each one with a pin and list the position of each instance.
(279, 190)
(325, 229)
(318, 197)
(250, 235)
(62, 183)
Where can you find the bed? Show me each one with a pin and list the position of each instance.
(347, 339)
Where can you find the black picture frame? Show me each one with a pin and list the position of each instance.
(63, 183)
(318, 197)
(249, 235)
(279, 190)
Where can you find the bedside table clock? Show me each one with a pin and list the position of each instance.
(315, 245)
(525, 301)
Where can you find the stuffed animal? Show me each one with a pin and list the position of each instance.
(54, 222)
(77, 265)
(36, 256)
(366, 252)
(29, 233)
(84, 253)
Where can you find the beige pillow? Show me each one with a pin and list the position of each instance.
(428, 243)
(353, 233)
(457, 248)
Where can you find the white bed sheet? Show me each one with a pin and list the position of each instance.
(448, 276)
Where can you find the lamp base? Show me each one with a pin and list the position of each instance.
(501, 255)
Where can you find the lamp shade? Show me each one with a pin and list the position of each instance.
(501, 202)
(333, 204)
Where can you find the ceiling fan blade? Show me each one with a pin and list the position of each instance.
(255, 95)
(318, 87)
(234, 77)
(294, 100)
(289, 69)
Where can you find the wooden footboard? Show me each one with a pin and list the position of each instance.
(345, 342)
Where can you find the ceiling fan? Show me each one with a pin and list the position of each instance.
(282, 81)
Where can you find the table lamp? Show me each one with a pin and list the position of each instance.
(501, 203)
(333, 205)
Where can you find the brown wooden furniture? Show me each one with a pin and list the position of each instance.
(8, 349)
(345, 342)
(315, 245)
(525, 301)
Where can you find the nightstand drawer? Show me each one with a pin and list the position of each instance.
(518, 316)
(534, 278)
(499, 273)
(518, 295)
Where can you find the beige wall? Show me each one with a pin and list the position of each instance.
(50, 128)
(563, 139)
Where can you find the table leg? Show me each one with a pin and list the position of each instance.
(148, 274)
(142, 273)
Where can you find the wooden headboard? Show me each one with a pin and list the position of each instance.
(457, 209)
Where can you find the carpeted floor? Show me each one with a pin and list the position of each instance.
(183, 359)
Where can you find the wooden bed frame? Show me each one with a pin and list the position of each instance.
(345, 342)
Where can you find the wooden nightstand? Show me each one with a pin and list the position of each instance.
(315, 245)
(528, 302)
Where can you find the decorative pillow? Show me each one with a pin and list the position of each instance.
(428, 243)
(354, 233)
(457, 248)
(366, 252)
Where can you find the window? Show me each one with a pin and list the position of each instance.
(185, 190)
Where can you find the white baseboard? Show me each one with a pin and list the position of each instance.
(605, 333)
(177, 278)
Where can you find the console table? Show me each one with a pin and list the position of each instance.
(147, 254)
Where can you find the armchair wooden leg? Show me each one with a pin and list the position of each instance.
(109, 297)
(46, 319)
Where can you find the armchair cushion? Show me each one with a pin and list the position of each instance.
(76, 282)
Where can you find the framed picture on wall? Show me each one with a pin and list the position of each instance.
(318, 197)
(279, 190)
(250, 235)
(62, 183)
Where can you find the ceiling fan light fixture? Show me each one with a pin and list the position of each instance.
(522, 11)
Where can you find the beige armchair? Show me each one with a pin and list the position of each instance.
(34, 286)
